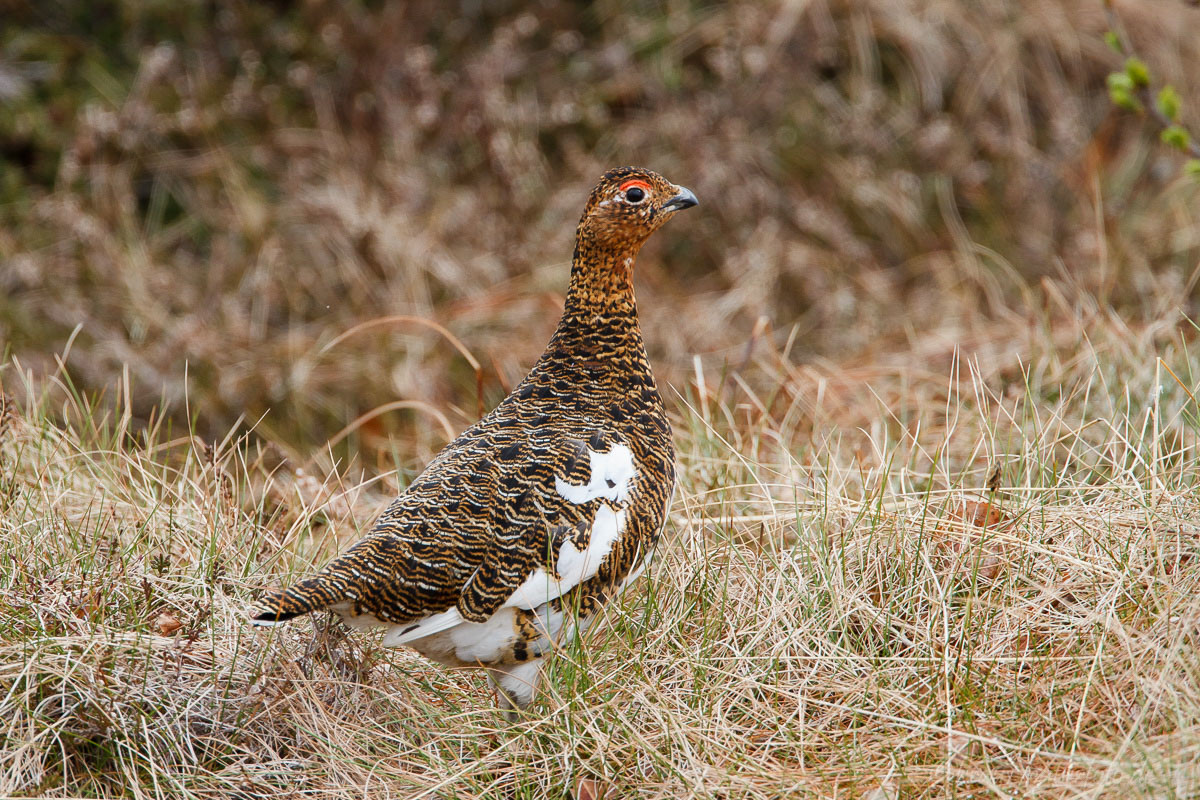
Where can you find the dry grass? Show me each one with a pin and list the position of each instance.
(826, 618)
(939, 520)
(215, 191)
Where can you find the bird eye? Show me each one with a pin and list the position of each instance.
(635, 190)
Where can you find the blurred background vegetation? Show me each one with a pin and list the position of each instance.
(209, 193)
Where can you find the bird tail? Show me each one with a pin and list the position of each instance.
(313, 594)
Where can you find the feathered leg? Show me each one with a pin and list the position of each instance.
(515, 685)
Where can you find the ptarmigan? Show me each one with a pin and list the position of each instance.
(522, 527)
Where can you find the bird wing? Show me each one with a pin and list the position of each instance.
(565, 527)
(502, 518)
(548, 532)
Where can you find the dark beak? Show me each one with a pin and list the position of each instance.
(685, 199)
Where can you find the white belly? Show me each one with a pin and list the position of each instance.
(493, 640)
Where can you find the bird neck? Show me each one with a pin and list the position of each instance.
(601, 274)
(600, 314)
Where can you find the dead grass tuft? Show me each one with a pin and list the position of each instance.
(929, 345)
(229, 200)
(882, 579)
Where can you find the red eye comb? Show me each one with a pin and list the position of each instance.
(627, 185)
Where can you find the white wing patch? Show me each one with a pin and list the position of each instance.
(611, 478)
(573, 567)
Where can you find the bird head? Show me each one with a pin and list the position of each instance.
(628, 205)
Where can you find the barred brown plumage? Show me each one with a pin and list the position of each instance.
(522, 527)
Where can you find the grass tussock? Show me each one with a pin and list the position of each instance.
(213, 192)
(969, 570)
